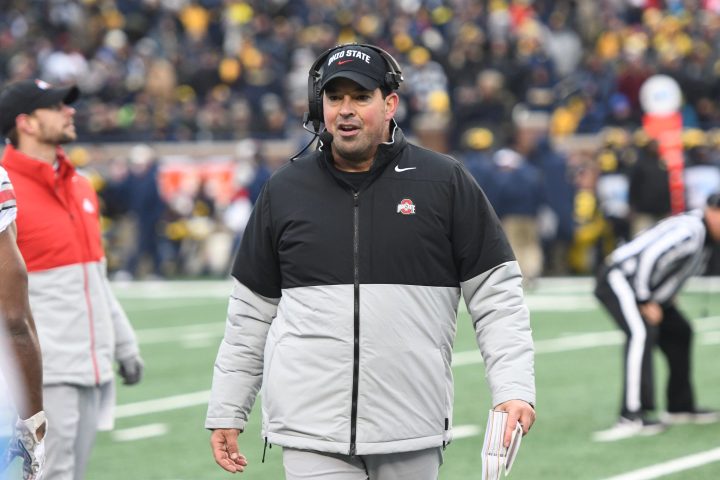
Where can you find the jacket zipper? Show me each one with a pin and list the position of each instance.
(356, 319)
(77, 219)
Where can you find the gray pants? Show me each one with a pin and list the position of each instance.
(306, 465)
(72, 413)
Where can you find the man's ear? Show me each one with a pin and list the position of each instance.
(25, 123)
(391, 104)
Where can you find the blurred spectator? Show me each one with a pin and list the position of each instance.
(515, 191)
(614, 161)
(146, 207)
(591, 239)
(649, 186)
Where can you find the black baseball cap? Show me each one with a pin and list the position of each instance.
(362, 65)
(27, 96)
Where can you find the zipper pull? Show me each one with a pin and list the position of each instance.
(447, 427)
(264, 449)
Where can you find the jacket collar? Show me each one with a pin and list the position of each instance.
(28, 166)
(386, 151)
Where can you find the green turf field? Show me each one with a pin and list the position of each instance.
(159, 431)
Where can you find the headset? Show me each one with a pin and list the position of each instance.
(314, 115)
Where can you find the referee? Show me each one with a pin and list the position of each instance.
(637, 286)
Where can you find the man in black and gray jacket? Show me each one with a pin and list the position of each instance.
(637, 287)
(346, 289)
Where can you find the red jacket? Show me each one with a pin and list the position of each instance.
(80, 324)
(57, 212)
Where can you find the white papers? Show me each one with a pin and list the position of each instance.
(495, 457)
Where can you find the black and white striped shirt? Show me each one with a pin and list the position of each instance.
(659, 260)
(8, 209)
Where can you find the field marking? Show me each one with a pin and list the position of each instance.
(459, 359)
(195, 331)
(139, 433)
(470, 357)
(672, 466)
(197, 334)
(222, 288)
(177, 304)
(465, 431)
(553, 345)
(164, 404)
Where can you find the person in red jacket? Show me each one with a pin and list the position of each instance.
(81, 327)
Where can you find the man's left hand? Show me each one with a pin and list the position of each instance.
(131, 369)
(518, 411)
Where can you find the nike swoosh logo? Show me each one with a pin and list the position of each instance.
(343, 61)
(399, 170)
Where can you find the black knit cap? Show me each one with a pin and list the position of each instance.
(27, 96)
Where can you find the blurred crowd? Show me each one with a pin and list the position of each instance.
(500, 84)
(154, 70)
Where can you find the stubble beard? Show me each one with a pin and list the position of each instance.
(359, 150)
(60, 138)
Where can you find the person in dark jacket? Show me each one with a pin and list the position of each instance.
(649, 188)
(346, 288)
(637, 287)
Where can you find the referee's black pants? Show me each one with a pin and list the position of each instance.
(673, 335)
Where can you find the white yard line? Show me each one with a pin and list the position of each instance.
(177, 304)
(569, 343)
(139, 433)
(199, 332)
(196, 331)
(673, 466)
(465, 431)
(162, 404)
(553, 345)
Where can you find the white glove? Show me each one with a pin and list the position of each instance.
(131, 369)
(24, 444)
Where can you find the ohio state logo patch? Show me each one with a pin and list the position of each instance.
(406, 207)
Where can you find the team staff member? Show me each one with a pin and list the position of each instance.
(637, 287)
(22, 362)
(347, 284)
(80, 325)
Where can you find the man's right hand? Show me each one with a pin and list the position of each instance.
(652, 313)
(225, 450)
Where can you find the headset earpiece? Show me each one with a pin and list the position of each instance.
(315, 111)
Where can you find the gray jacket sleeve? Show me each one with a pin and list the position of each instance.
(502, 326)
(126, 344)
(238, 371)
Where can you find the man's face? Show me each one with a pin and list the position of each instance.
(54, 125)
(358, 121)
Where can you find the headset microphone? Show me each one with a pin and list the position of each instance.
(326, 137)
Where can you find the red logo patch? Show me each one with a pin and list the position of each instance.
(406, 207)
